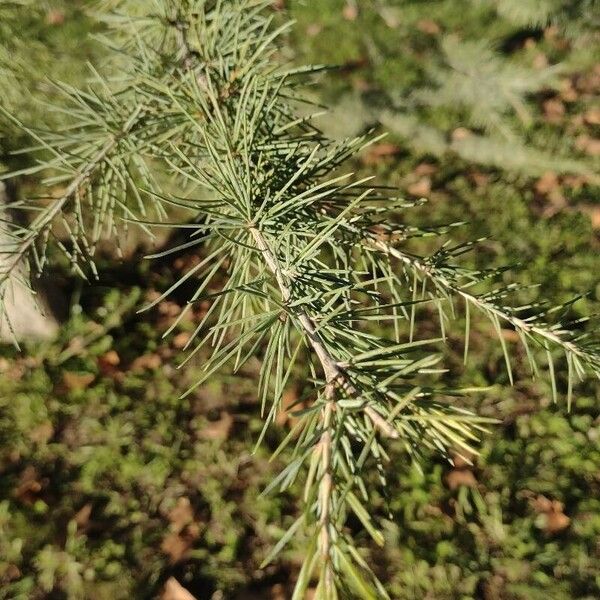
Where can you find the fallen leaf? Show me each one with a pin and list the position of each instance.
(461, 133)
(593, 211)
(423, 169)
(548, 188)
(554, 110)
(146, 361)
(75, 382)
(82, 516)
(587, 144)
(168, 308)
(55, 17)
(379, 152)
(11, 573)
(42, 433)
(420, 188)
(173, 590)
(278, 592)
(181, 339)
(218, 430)
(29, 486)
(182, 515)
(428, 26)
(288, 404)
(575, 182)
(460, 477)
(350, 11)
(314, 29)
(510, 335)
(108, 362)
(556, 522)
(540, 61)
(547, 182)
(175, 546)
(479, 179)
(360, 84)
(567, 92)
(552, 517)
(111, 358)
(551, 32)
(589, 83)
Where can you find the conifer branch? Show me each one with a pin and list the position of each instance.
(287, 259)
(46, 218)
(547, 335)
(334, 374)
(326, 485)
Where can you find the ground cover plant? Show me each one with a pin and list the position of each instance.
(322, 228)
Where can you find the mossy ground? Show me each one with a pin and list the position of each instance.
(111, 483)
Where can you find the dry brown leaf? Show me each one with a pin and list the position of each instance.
(278, 592)
(75, 382)
(175, 546)
(218, 430)
(173, 590)
(460, 477)
(82, 516)
(428, 26)
(540, 61)
(288, 405)
(510, 335)
(379, 152)
(479, 179)
(423, 169)
(55, 17)
(547, 182)
(111, 358)
(350, 11)
(556, 522)
(420, 188)
(590, 82)
(314, 29)
(11, 573)
(589, 145)
(461, 133)
(108, 362)
(593, 211)
(168, 308)
(146, 361)
(575, 182)
(29, 486)
(182, 515)
(554, 110)
(592, 116)
(181, 339)
(567, 92)
(42, 433)
(553, 518)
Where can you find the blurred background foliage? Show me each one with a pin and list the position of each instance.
(110, 484)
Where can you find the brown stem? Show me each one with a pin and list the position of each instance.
(326, 485)
(331, 368)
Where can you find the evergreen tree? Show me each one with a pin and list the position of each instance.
(299, 260)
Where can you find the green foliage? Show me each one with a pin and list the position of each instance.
(480, 73)
(299, 265)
